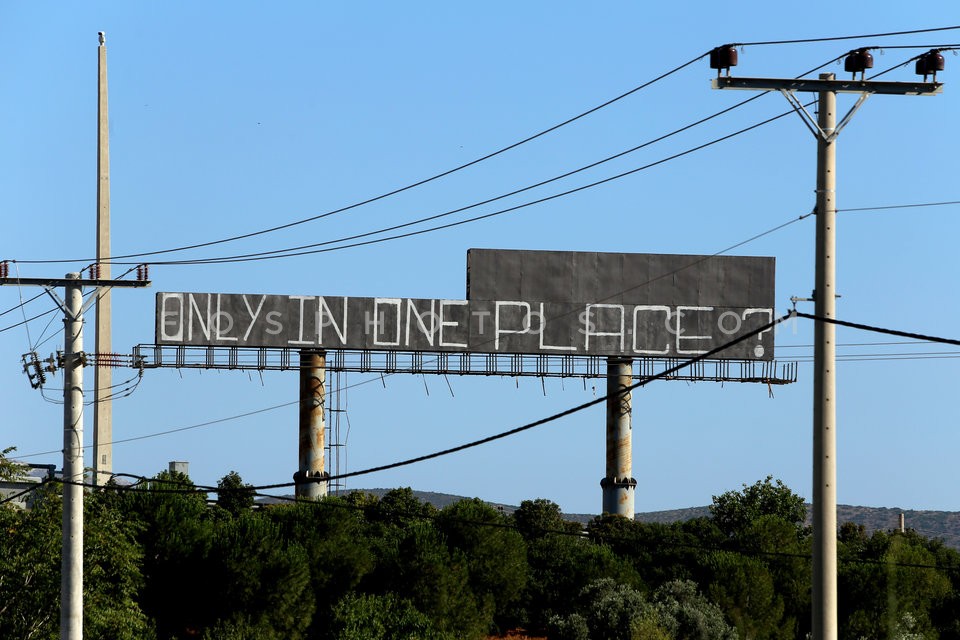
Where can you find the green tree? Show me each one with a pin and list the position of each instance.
(113, 577)
(743, 588)
(415, 563)
(685, 613)
(9, 469)
(885, 577)
(496, 556)
(249, 570)
(30, 568)
(338, 549)
(561, 566)
(233, 494)
(733, 511)
(538, 518)
(381, 617)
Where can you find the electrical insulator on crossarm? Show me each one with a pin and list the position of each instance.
(929, 63)
(858, 61)
(723, 57)
(143, 272)
(4, 269)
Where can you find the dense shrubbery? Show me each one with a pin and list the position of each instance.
(162, 564)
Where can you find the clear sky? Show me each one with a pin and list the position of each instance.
(226, 119)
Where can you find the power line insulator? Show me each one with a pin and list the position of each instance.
(723, 57)
(4, 269)
(929, 63)
(858, 61)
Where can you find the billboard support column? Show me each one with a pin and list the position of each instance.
(619, 486)
(312, 426)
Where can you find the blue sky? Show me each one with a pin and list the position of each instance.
(229, 120)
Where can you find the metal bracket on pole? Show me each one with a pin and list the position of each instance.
(811, 121)
(57, 300)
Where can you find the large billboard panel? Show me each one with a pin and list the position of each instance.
(518, 302)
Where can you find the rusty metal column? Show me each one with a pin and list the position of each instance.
(619, 486)
(312, 426)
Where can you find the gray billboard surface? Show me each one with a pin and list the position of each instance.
(623, 278)
(519, 302)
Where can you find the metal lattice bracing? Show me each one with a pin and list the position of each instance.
(486, 364)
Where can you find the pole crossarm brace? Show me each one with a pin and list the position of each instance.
(835, 86)
(811, 121)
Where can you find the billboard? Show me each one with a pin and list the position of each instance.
(524, 302)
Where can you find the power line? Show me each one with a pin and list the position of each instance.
(22, 304)
(269, 255)
(368, 381)
(551, 418)
(145, 484)
(836, 38)
(901, 206)
(401, 189)
(13, 497)
(23, 322)
(867, 327)
(306, 249)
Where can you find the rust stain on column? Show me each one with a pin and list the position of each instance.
(312, 424)
(618, 484)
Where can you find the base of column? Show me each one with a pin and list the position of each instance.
(618, 496)
(311, 484)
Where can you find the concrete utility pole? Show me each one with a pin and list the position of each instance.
(619, 486)
(71, 564)
(825, 376)
(74, 359)
(103, 375)
(826, 129)
(312, 426)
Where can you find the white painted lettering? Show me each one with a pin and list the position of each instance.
(497, 331)
(303, 303)
(451, 303)
(680, 331)
(649, 308)
(171, 317)
(392, 302)
(590, 329)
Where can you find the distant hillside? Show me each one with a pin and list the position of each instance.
(932, 524)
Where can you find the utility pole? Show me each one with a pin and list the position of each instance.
(73, 361)
(71, 563)
(103, 375)
(826, 129)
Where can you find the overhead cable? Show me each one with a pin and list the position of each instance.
(401, 189)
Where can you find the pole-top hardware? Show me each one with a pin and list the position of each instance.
(858, 61)
(723, 57)
(929, 63)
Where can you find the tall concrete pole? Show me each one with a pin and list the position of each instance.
(824, 379)
(312, 425)
(103, 375)
(619, 486)
(71, 568)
